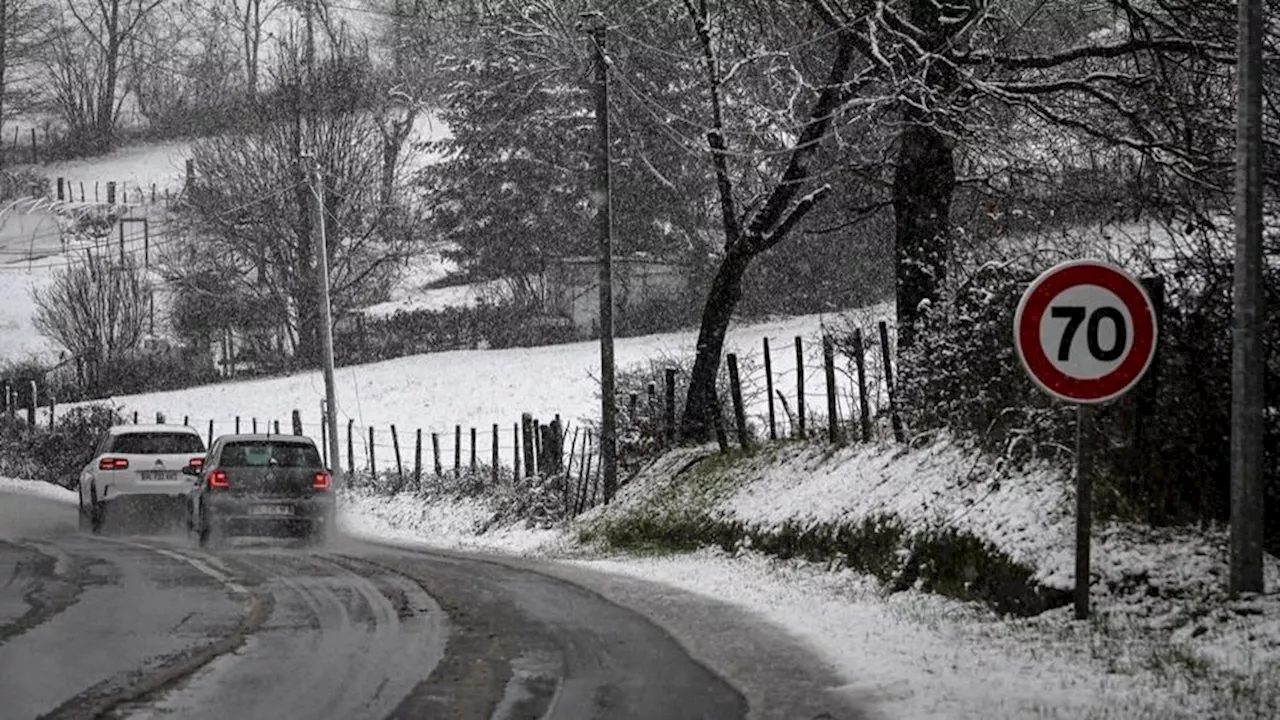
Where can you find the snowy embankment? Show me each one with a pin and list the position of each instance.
(1164, 642)
(39, 489)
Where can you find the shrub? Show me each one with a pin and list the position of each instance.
(963, 374)
(55, 456)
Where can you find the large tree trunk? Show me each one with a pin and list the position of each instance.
(726, 291)
(924, 181)
(106, 120)
(923, 184)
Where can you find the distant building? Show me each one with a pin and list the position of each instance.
(573, 287)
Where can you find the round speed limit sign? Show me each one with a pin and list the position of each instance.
(1085, 331)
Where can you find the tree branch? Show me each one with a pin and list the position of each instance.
(1089, 52)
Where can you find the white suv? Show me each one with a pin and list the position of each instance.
(135, 465)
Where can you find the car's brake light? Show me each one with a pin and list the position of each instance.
(197, 462)
(108, 463)
(322, 481)
(218, 479)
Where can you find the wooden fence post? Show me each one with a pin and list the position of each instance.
(473, 451)
(351, 446)
(53, 409)
(633, 403)
(768, 386)
(493, 471)
(255, 425)
(275, 424)
(186, 419)
(111, 192)
(62, 190)
(373, 464)
(135, 417)
(297, 422)
(899, 435)
(435, 454)
(829, 366)
(652, 391)
(669, 411)
(526, 429)
(82, 195)
(417, 461)
(515, 454)
(573, 448)
(864, 404)
(800, 420)
(739, 412)
(395, 445)
(324, 440)
(159, 418)
(457, 451)
(31, 409)
(535, 437)
(717, 422)
(35, 152)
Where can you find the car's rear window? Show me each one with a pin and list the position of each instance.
(269, 454)
(157, 443)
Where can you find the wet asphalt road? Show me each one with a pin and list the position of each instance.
(151, 626)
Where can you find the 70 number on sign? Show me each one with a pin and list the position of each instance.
(1085, 331)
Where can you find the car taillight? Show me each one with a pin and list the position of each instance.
(107, 463)
(197, 462)
(218, 479)
(322, 481)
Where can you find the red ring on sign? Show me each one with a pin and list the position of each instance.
(1134, 363)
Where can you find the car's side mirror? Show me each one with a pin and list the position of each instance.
(192, 470)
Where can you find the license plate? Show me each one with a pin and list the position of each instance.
(159, 475)
(270, 510)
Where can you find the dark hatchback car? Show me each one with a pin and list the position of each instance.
(261, 485)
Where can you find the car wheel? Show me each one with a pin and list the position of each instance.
(97, 511)
(83, 515)
(210, 534)
(317, 534)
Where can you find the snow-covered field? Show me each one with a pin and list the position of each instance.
(477, 388)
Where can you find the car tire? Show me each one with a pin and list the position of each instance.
(83, 515)
(97, 512)
(317, 534)
(211, 534)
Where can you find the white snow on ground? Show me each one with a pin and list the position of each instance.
(438, 298)
(18, 335)
(444, 522)
(39, 489)
(1164, 641)
(162, 164)
(1028, 516)
(476, 388)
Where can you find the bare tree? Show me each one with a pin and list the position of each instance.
(23, 25)
(769, 217)
(96, 309)
(248, 20)
(251, 208)
(86, 63)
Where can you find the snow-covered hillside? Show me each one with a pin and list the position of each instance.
(476, 388)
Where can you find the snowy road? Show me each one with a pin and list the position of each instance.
(149, 627)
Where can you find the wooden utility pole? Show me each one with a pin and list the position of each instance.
(326, 315)
(595, 25)
(1247, 356)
